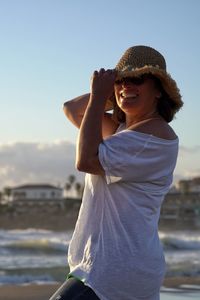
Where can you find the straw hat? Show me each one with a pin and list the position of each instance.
(139, 60)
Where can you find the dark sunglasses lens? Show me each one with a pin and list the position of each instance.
(118, 82)
(134, 80)
(137, 80)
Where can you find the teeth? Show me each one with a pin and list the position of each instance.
(128, 95)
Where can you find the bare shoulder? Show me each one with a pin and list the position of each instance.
(156, 127)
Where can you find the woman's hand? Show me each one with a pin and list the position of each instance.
(90, 134)
(102, 83)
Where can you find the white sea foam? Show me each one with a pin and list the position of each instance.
(26, 279)
(183, 240)
(33, 239)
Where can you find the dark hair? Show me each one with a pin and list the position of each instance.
(166, 107)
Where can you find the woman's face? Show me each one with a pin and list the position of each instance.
(137, 95)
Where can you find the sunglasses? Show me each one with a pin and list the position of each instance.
(139, 80)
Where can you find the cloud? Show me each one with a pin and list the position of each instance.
(188, 163)
(37, 162)
(189, 150)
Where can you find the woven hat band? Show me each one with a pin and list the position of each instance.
(139, 56)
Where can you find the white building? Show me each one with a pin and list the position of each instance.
(36, 192)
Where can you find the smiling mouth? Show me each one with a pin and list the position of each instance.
(124, 96)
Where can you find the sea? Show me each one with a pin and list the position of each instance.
(40, 256)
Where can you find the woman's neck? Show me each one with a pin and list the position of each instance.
(132, 120)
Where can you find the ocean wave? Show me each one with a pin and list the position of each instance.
(34, 233)
(58, 241)
(42, 245)
(180, 240)
(31, 261)
(38, 275)
(26, 279)
(34, 240)
(33, 248)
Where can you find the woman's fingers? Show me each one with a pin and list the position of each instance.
(95, 73)
(102, 82)
(102, 71)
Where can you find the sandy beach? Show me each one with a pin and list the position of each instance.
(43, 292)
(27, 292)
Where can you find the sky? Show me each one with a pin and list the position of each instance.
(49, 50)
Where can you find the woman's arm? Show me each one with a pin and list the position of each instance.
(75, 109)
(90, 135)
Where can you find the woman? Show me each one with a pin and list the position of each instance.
(129, 157)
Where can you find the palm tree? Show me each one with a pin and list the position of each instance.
(72, 185)
(7, 192)
(71, 179)
(1, 196)
(67, 186)
(79, 189)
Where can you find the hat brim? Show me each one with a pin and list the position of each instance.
(168, 83)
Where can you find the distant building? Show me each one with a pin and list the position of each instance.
(36, 192)
(181, 207)
(182, 203)
(189, 186)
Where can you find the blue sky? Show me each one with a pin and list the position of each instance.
(49, 50)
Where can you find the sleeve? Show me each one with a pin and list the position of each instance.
(129, 157)
(119, 156)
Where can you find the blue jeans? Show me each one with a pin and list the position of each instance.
(74, 289)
